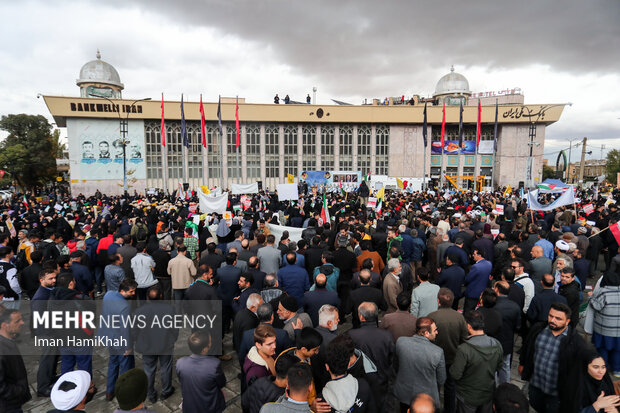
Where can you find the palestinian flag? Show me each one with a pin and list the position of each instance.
(342, 191)
(546, 187)
(366, 178)
(325, 210)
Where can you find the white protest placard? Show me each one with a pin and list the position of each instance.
(287, 192)
(588, 209)
(372, 202)
(500, 209)
(495, 232)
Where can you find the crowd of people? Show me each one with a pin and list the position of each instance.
(446, 292)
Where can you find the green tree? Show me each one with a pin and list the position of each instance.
(548, 172)
(613, 166)
(28, 153)
(58, 146)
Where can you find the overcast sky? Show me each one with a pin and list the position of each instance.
(556, 51)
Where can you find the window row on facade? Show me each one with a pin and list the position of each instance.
(267, 150)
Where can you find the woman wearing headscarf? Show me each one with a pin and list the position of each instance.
(222, 233)
(591, 390)
(606, 305)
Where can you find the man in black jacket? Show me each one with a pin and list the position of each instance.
(161, 256)
(452, 277)
(365, 293)
(314, 256)
(14, 390)
(571, 291)
(511, 322)
(156, 343)
(549, 356)
(246, 319)
(314, 300)
(254, 269)
(539, 307)
(30, 274)
(346, 262)
(376, 343)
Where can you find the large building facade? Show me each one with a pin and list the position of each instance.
(278, 140)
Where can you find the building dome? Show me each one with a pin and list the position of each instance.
(99, 72)
(452, 83)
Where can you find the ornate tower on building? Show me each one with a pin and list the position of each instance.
(99, 78)
(452, 89)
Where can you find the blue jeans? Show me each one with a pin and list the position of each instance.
(542, 402)
(99, 278)
(69, 359)
(118, 364)
(503, 374)
(179, 294)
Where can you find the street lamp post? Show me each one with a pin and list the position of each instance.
(531, 143)
(124, 130)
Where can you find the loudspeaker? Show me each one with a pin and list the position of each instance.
(260, 185)
(185, 186)
(521, 184)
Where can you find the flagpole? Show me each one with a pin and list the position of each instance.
(237, 132)
(165, 169)
(494, 149)
(220, 139)
(205, 165)
(164, 151)
(424, 172)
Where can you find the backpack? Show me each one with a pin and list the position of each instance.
(49, 250)
(21, 261)
(142, 233)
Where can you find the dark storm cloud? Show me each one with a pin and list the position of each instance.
(365, 39)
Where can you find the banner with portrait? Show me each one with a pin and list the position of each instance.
(96, 149)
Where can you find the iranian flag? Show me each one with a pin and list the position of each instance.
(546, 186)
(25, 202)
(615, 229)
(379, 207)
(325, 210)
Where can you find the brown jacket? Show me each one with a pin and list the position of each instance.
(391, 289)
(181, 270)
(376, 260)
(399, 323)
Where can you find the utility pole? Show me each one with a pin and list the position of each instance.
(583, 160)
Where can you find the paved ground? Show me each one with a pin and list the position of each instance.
(99, 404)
(231, 390)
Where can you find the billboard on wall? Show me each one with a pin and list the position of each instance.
(486, 147)
(468, 147)
(452, 147)
(436, 147)
(348, 180)
(96, 149)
